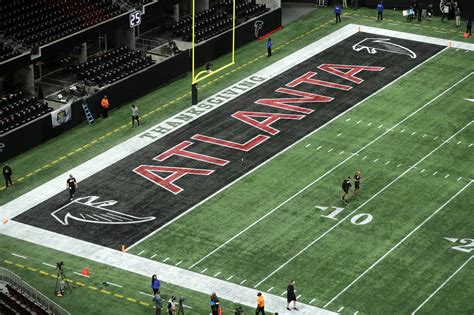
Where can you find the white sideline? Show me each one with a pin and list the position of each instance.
(442, 285)
(145, 266)
(362, 205)
(335, 167)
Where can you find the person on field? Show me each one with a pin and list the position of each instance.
(380, 11)
(338, 12)
(346, 185)
(214, 303)
(357, 178)
(71, 184)
(105, 106)
(172, 305)
(155, 284)
(469, 26)
(457, 14)
(269, 47)
(291, 295)
(260, 304)
(344, 4)
(7, 174)
(135, 116)
(158, 303)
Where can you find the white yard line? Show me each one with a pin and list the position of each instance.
(398, 244)
(146, 294)
(362, 205)
(442, 285)
(114, 284)
(153, 256)
(335, 167)
(80, 274)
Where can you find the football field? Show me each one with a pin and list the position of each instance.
(245, 188)
(387, 250)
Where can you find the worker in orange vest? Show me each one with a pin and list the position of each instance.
(105, 106)
(260, 304)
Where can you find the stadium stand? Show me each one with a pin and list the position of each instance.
(113, 65)
(17, 109)
(216, 20)
(19, 303)
(36, 23)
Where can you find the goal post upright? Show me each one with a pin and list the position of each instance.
(202, 75)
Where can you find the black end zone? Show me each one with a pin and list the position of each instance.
(118, 206)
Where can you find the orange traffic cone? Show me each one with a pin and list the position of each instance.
(466, 35)
(5, 220)
(85, 272)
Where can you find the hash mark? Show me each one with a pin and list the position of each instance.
(402, 131)
(341, 152)
(358, 122)
(283, 293)
(459, 178)
(318, 147)
(311, 301)
(470, 145)
(446, 176)
(342, 307)
(205, 269)
(380, 126)
(365, 156)
(308, 144)
(164, 260)
(154, 255)
(330, 150)
(217, 274)
(435, 173)
(424, 135)
(388, 162)
(179, 263)
(348, 119)
(369, 124)
(459, 142)
(243, 281)
(298, 297)
(230, 278)
(399, 165)
(339, 134)
(140, 252)
(422, 170)
(413, 133)
(376, 160)
(270, 289)
(435, 138)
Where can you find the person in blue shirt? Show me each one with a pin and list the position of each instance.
(337, 12)
(269, 46)
(155, 284)
(380, 11)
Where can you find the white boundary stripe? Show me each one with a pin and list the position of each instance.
(80, 274)
(16, 255)
(443, 284)
(114, 284)
(398, 244)
(49, 265)
(362, 205)
(341, 163)
(147, 294)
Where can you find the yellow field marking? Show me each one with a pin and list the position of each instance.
(145, 115)
(8, 262)
(70, 153)
(116, 129)
(20, 265)
(92, 287)
(32, 269)
(28, 175)
(94, 141)
(78, 149)
(131, 300)
(20, 179)
(80, 284)
(120, 296)
(43, 273)
(54, 276)
(144, 303)
(105, 291)
(37, 170)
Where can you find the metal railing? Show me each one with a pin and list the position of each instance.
(27, 290)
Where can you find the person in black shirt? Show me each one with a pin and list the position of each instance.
(290, 295)
(7, 173)
(71, 184)
(346, 185)
(357, 178)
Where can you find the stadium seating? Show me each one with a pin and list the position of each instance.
(113, 65)
(17, 109)
(20, 303)
(7, 52)
(36, 23)
(214, 21)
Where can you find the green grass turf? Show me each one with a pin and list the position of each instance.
(325, 269)
(91, 295)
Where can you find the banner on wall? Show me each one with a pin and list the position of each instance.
(61, 116)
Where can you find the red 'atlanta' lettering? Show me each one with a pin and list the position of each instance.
(347, 72)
